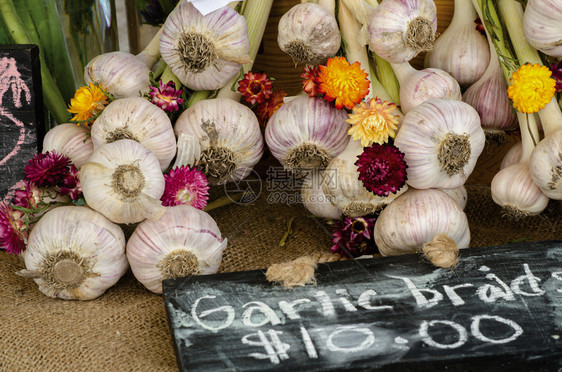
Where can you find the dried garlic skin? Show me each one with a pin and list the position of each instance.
(77, 252)
(314, 199)
(184, 242)
(71, 140)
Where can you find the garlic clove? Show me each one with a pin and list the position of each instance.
(137, 119)
(71, 140)
(545, 165)
(512, 156)
(184, 242)
(314, 199)
(189, 150)
(75, 253)
(459, 194)
(123, 181)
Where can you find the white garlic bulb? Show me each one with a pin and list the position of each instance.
(204, 51)
(542, 24)
(224, 137)
(137, 119)
(545, 165)
(415, 218)
(71, 140)
(344, 189)
(399, 30)
(314, 199)
(459, 194)
(461, 50)
(184, 242)
(75, 253)
(417, 87)
(309, 33)
(512, 156)
(441, 140)
(123, 181)
(120, 73)
(306, 133)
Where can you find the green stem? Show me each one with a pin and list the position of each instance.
(223, 200)
(197, 96)
(385, 74)
(288, 232)
(168, 75)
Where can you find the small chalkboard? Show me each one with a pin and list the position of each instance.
(500, 309)
(21, 113)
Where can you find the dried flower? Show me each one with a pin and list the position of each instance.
(343, 83)
(353, 237)
(310, 80)
(255, 88)
(531, 88)
(268, 108)
(185, 186)
(71, 184)
(166, 96)
(88, 102)
(13, 230)
(382, 169)
(48, 169)
(29, 196)
(479, 26)
(373, 122)
(557, 75)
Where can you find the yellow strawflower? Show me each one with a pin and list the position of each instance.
(343, 83)
(531, 88)
(87, 102)
(373, 122)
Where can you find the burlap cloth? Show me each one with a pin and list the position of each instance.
(126, 328)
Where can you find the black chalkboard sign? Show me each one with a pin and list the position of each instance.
(500, 310)
(21, 113)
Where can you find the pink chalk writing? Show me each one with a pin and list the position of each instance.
(10, 78)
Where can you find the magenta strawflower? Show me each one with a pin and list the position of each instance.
(353, 237)
(48, 169)
(310, 80)
(166, 96)
(29, 196)
(185, 186)
(557, 75)
(13, 230)
(382, 169)
(71, 184)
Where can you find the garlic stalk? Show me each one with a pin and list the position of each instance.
(461, 50)
(512, 156)
(137, 119)
(309, 33)
(75, 253)
(306, 133)
(71, 140)
(399, 30)
(542, 24)
(222, 137)
(184, 242)
(441, 140)
(123, 181)
(417, 87)
(314, 199)
(415, 218)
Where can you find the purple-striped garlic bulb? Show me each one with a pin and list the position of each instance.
(71, 140)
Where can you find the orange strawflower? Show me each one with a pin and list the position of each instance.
(343, 83)
(87, 103)
(532, 87)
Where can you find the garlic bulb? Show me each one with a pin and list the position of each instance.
(344, 189)
(415, 218)
(184, 242)
(512, 156)
(314, 199)
(489, 97)
(75, 253)
(306, 133)
(204, 51)
(71, 140)
(542, 24)
(461, 50)
(309, 33)
(137, 119)
(123, 181)
(224, 137)
(400, 29)
(459, 194)
(121, 74)
(545, 165)
(441, 140)
(419, 86)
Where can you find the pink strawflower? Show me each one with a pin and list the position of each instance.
(13, 230)
(185, 186)
(353, 237)
(310, 80)
(48, 169)
(382, 169)
(29, 196)
(166, 96)
(557, 75)
(71, 184)
(255, 88)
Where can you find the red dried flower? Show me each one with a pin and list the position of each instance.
(353, 237)
(255, 88)
(382, 169)
(13, 230)
(557, 75)
(166, 96)
(268, 108)
(48, 169)
(185, 186)
(479, 26)
(310, 80)
(71, 184)
(29, 196)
